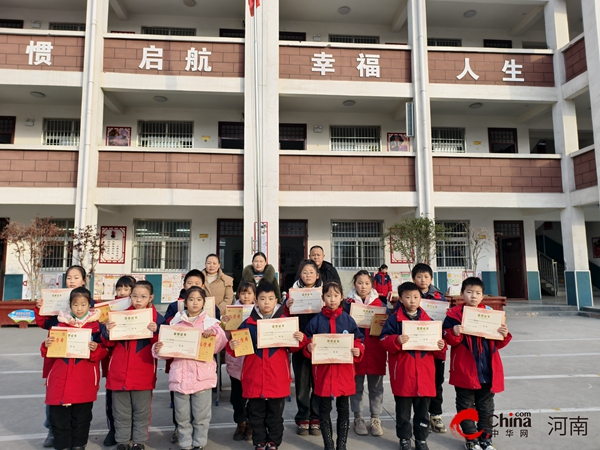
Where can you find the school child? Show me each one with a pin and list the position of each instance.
(191, 380)
(476, 370)
(373, 364)
(307, 415)
(72, 384)
(75, 277)
(334, 380)
(246, 295)
(266, 374)
(422, 276)
(132, 375)
(413, 374)
(123, 289)
(382, 283)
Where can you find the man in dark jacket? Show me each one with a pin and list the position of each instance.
(326, 269)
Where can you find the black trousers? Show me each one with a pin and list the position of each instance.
(109, 414)
(483, 401)
(265, 416)
(172, 394)
(342, 404)
(71, 424)
(237, 401)
(435, 406)
(420, 405)
(306, 400)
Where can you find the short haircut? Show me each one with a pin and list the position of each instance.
(408, 286)
(145, 284)
(194, 289)
(212, 255)
(246, 286)
(360, 273)
(383, 267)
(421, 268)
(333, 286)
(259, 254)
(81, 292)
(194, 273)
(78, 268)
(316, 246)
(308, 262)
(266, 287)
(126, 281)
(472, 281)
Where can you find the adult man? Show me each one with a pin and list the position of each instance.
(326, 269)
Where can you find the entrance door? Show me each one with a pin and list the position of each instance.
(511, 262)
(3, 223)
(292, 250)
(230, 247)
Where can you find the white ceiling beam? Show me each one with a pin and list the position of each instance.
(119, 9)
(533, 113)
(527, 21)
(113, 104)
(110, 209)
(401, 16)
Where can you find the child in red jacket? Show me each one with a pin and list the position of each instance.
(334, 380)
(412, 372)
(132, 375)
(476, 370)
(72, 384)
(266, 375)
(382, 283)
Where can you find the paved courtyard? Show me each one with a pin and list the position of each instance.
(552, 372)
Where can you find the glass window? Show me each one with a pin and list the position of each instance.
(357, 244)
(453, 250)
(169, 31)
(60, 249)
(292, 136)
(165, 134)
(231, 135)
(360, 139)
(7, 129)
(503, 140)
(61, 132)
(352, 39)
(444, 42)
(65, 26)
(161, 245)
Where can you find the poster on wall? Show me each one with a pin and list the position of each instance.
(113, 240)
(118, 136)
(171, 286)
(454, 280)
(398, 278)
(50, 280)
(596, 247)
(396, 257)
(398, 142)
(104, 284)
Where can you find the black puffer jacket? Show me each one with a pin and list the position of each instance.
(268, 275)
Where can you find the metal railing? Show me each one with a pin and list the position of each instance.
(444, 145)
(548, 271)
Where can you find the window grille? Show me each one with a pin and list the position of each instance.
(10, 23)
(352, 39)
(448, 140)
(497, 43)
(61, 132)
(292, 36)
(292, 136)
(161, 245)
(7, 129)
(444, 42)
(508, 229)
(169, 31)
(232, 33)
(357, 244)
(60, 249)
(351, 138)
(453, 250)
(503, 140)
(65, 26)
(231, 135)
(231, 228)
(292, 228)
(165, 134)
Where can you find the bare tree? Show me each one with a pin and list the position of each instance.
(87, 247)
(479, 240)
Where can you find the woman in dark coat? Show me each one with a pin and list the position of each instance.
(260, 271)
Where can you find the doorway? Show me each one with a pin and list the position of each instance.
(3, 223)
(512, 281)
(293, 238)
(230, 248)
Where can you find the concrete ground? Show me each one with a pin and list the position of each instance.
(552, 369)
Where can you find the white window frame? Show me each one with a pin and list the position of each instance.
(454, 243)
(64, 132)
(168, 31)
(353, 39)
(161, 235)
(355, 138)
(150, 134)
(359, 242)
(448, 140)
(63, 244)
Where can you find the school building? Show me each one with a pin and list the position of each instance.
(179, 125)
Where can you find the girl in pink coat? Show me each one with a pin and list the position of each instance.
(191, 380)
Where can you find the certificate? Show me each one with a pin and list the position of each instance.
(237, 314)
(179, 342)
(376, 326)
(246, 347)
(132, 324)
(306, 301)
(423, 334)
(435, 309)
(483, 322)
(277, 332)
(70, 343)
(209, 307)
(54, 301)
(332, 349)
(206, 350)
(363, 314)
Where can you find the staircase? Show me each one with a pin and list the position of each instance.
(552, 275)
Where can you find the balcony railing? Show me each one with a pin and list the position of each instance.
(442, 145)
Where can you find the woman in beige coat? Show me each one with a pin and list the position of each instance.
(219, 285)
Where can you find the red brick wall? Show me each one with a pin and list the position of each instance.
(496, 175)
(295, 62)
(585, 170)
(346, 173)
(171, 170)
(444, 67)
(44, 168)
(67, 52)
(575, 62)
(125, 56)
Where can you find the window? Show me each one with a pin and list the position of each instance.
(67, 26)
(291, 36)
(61, 132)
(231, 135)
(7, 129)
(360, 139)
(60, 250)
(497, 43)
(169, 31)
(232, 33)
(453, 251)
(292, 136)
(503, 140)
(10, 23)
(161, 246)
(535, 45)
(351, 39)
(165, 134)
(444, 42)
(448, 140)
(357, 244)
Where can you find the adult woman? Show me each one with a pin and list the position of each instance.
(259, 271)
(220, 286)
